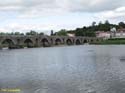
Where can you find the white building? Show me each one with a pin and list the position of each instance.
(71, 35)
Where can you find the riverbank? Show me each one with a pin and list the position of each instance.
(113, 41)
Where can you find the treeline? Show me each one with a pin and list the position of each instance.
(18, 33)
(90, 31)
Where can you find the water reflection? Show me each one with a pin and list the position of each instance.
(75, 69)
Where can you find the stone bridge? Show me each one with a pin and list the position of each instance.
(17, 41)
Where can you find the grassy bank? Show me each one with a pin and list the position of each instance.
(113, 41)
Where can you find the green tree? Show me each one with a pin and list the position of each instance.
(21, 33)
(41, 33)
(121, 24)
(104, 26)
(62, 32)
(27, 33)
(32, 33)
(2, 33)
(79, 32)
(17, 33)
(107, 22)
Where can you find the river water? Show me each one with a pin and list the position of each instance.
(73, 69)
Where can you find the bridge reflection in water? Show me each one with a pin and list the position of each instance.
(17, 41)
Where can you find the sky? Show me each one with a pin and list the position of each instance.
(47, 15)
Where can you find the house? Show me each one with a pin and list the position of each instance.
(102, 34)
(120, 33)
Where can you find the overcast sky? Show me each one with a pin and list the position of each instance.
(44, 15)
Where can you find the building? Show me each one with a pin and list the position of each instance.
(70, 35)
(102, 34)
(120, 33)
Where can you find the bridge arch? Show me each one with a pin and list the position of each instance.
(10, 43)
(69, 41)
(77, 41)
(45, 42)
(85, 41)
(28, 43)
(91, 40)
(58, 41)
(97, 40)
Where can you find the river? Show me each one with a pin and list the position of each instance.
(73, 69)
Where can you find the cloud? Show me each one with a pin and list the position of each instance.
(18, 27)
(112, 14)
(43, 6)
(26, 10)
(28, 27)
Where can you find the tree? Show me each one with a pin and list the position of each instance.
(104, 26)
(121, 24)
(2, 33)
(107, 26)
(32, 33)
(100, 23)
(79, 32)
(17, 33)
(62, 33)
(93, 24)
(28, 33)
(107, 22)
(41, 33)
(90, 33)
(21, 33)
